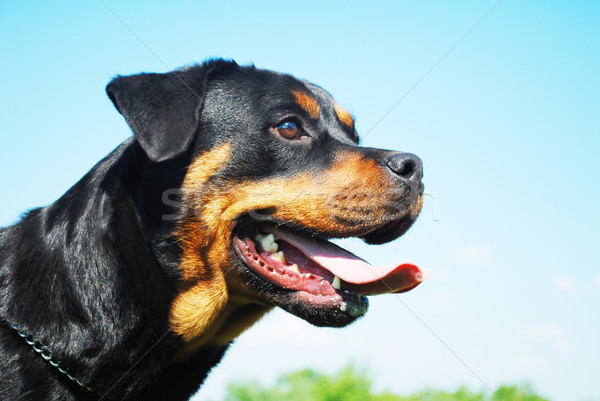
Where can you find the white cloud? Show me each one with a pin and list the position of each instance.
(564, 283)
(531, 364)
(472, 254)
(551, 335)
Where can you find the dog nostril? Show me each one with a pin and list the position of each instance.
(405, 165)
(407, 169)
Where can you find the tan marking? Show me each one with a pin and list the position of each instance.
(213, 305)
(205, 166)
(344, 116)
(417, 206)
(204, 290)
(233, 320)
(308, 103)
(354, 189)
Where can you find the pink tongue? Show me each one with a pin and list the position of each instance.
(358, 276)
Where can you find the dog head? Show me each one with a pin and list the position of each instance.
(275, 172)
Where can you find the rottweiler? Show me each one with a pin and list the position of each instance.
(133, 284)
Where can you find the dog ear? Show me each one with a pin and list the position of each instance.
(163, 110)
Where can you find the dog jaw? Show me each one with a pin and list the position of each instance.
(350, 198)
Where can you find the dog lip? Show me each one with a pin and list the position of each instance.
(249, 225)
(297, 262)
(388, 231)
(317, 291)
(315, 297)
(280, 274)
(373, 234)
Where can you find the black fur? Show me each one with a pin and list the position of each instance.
(93, 275)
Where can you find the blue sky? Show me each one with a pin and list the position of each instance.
(507, 125)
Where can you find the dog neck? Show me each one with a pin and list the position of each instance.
(124, 306)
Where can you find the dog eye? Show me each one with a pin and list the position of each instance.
(288, 130)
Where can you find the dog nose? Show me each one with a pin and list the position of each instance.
(406, 166)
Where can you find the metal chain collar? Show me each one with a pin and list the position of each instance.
(46, 354)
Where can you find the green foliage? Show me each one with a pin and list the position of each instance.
(462, 394)
(355, 384)
(522, 393)
(349, 384)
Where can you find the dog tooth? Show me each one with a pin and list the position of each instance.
(279, 256)
(295, 268)
(272, 245)
(268, 242)
(269, 238)
(336, 283)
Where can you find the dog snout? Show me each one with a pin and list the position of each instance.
(407, 167)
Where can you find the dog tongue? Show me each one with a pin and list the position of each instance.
(357, 275)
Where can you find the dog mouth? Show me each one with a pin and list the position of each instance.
(317, 280)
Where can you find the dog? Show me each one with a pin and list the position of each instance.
(133, 284)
